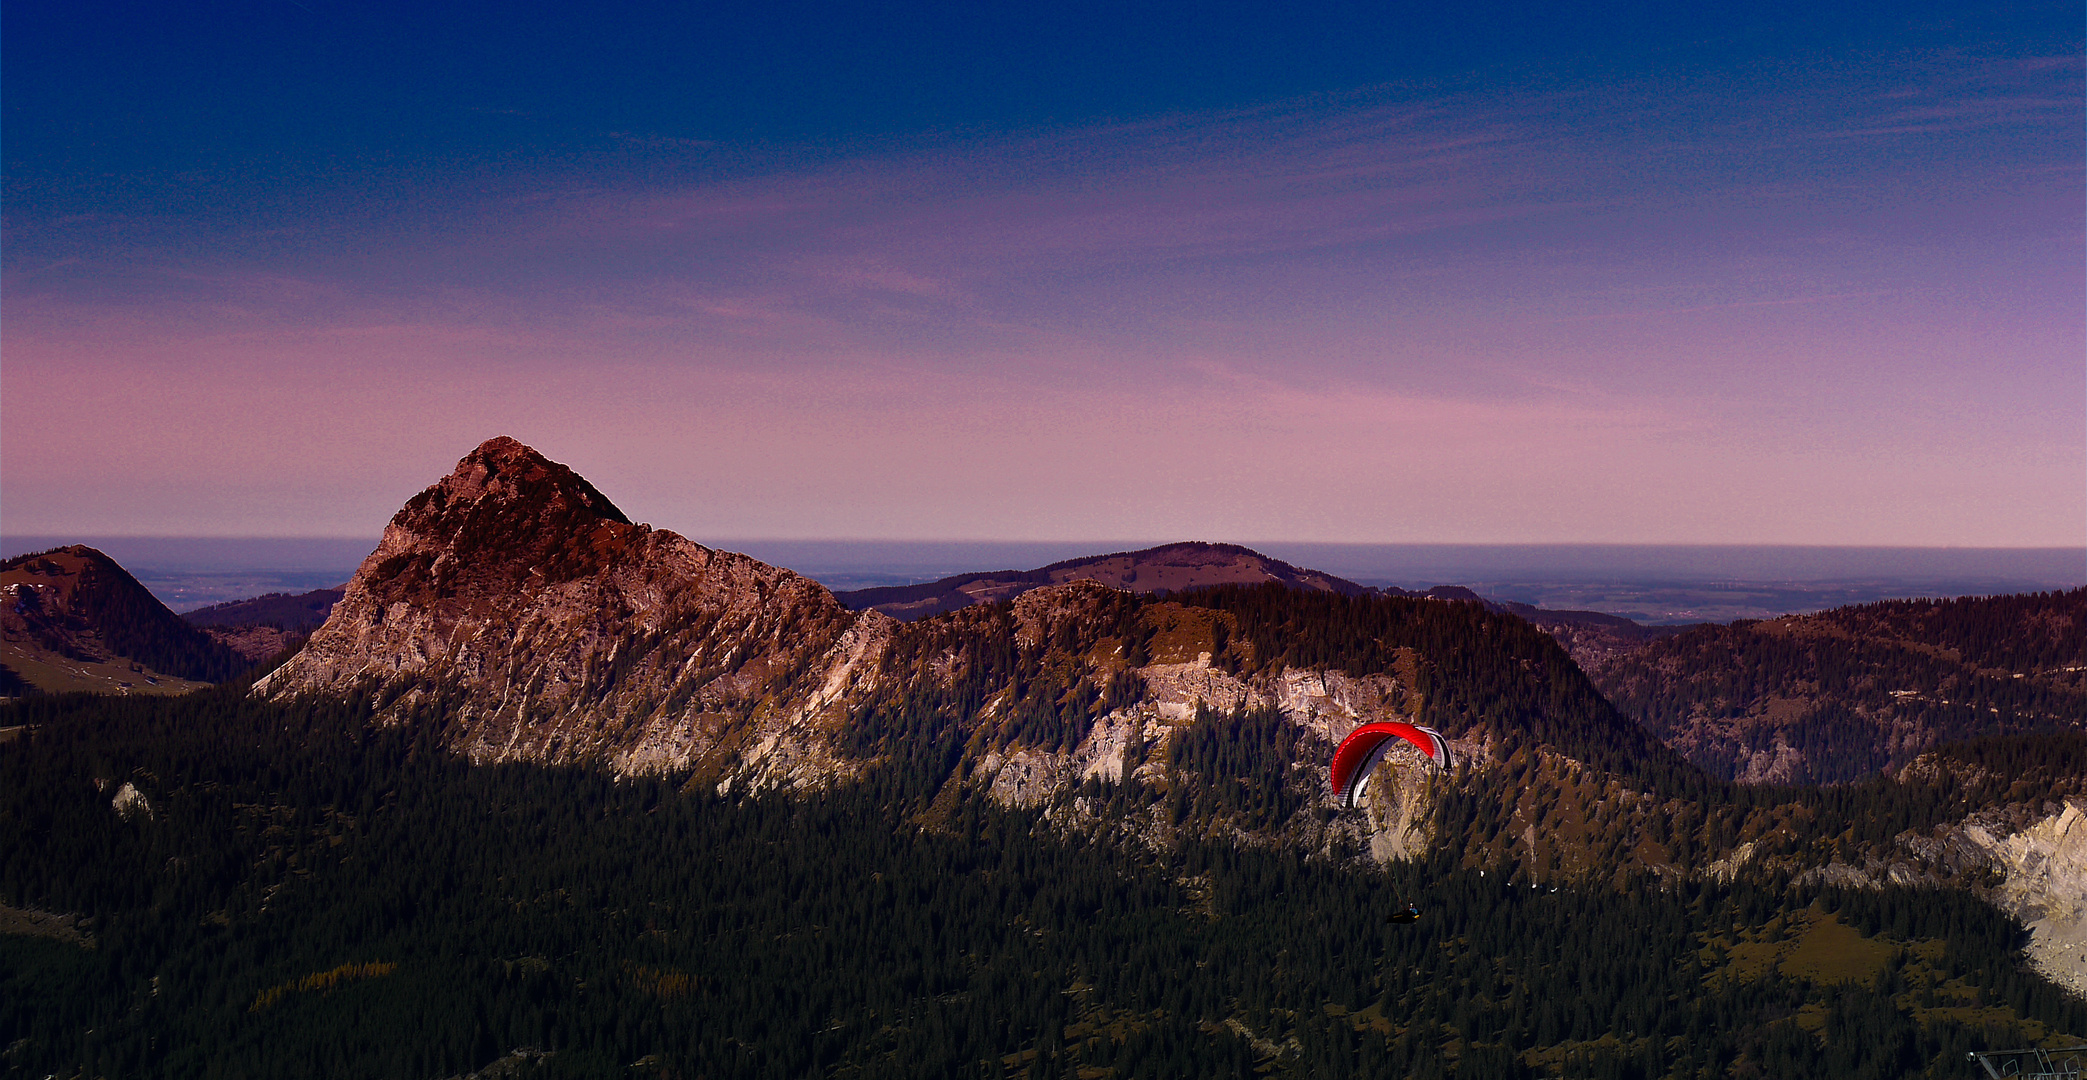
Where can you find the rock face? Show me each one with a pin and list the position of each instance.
(2044, 883)
(519, 605)
(1399, 807)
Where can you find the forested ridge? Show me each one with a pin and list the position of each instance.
(1836, 695)
(107, 603)
(1475, 669)
(295, 613)
(959, 685)
(309, 896)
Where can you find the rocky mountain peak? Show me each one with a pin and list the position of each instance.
(550, 627)
(505, 515)
(504, 470)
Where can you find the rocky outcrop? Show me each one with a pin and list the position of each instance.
(2043, 872)
(517, 606)
(130, 802)
(1399, 805)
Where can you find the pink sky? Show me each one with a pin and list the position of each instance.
(1463, 316)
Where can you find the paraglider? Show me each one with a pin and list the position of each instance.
(1411, 914)
(1365, 747)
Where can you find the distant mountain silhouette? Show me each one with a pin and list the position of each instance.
(264, 626)
(299, 612)
(1168, 568)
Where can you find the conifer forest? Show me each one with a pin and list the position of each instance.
(297, 893)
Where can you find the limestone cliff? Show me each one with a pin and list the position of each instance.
(2043, 871)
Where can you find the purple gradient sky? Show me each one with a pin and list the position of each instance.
(1806, 297)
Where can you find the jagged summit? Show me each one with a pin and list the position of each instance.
(504, 506)
(549, 627)
(504, 469)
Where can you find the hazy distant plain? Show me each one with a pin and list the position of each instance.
(1648, 583)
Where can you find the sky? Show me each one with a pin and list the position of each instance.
(1339, 273)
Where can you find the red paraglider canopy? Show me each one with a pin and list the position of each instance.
(1364, 747)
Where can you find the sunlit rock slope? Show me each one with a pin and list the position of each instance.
(515, 605)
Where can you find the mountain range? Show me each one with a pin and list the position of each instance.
(520, 677)
(515, 607)
(516, 614)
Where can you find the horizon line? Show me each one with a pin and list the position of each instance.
(9, 539)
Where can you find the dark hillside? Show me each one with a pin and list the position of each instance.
(76, 601)
(298, 613)
(1830, 697)
(302, 895)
